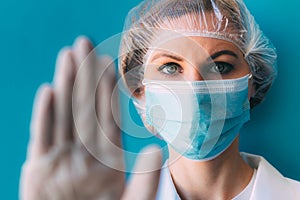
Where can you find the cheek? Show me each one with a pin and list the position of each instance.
(142, 99)
(151, 129)
(140, 105)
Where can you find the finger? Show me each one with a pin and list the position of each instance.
(144, 181)
(107, 103)
(83, 50)
(41, 123)
(84, 93)
(63, 87)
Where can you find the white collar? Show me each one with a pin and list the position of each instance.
(269, 184)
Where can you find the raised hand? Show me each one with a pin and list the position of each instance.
(75, 150)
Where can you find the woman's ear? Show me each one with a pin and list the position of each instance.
(139, 93)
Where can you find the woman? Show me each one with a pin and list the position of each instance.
(195, 68)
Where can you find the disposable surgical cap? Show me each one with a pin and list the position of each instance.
(227, 20)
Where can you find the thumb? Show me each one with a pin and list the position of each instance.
(144, 180)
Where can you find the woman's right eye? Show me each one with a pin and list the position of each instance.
(170, 68)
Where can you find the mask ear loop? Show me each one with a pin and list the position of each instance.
(250, 76)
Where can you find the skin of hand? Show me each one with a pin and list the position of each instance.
(59, 165)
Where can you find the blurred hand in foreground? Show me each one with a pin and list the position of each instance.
(75, 149)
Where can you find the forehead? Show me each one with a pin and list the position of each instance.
(189, 47)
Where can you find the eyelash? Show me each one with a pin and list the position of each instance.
(164, 66)
(227, 67)
(209, 69)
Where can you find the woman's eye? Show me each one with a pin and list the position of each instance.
(170, 68)
(221, 68)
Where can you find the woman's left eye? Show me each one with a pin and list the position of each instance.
(221, 68)
(170, 68)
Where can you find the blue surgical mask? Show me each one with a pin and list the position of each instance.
(199, 119)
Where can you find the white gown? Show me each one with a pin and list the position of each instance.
(268, 184)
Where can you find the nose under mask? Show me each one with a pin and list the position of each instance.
(198, 119)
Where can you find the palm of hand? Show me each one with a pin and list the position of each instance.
(71, 155)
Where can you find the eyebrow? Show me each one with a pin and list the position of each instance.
(213, 56)
(224, 52)
(167, 55)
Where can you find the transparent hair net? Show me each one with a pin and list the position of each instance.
(228, 20)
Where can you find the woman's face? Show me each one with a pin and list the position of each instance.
(193, 58)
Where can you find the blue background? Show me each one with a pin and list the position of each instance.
(32, 32)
